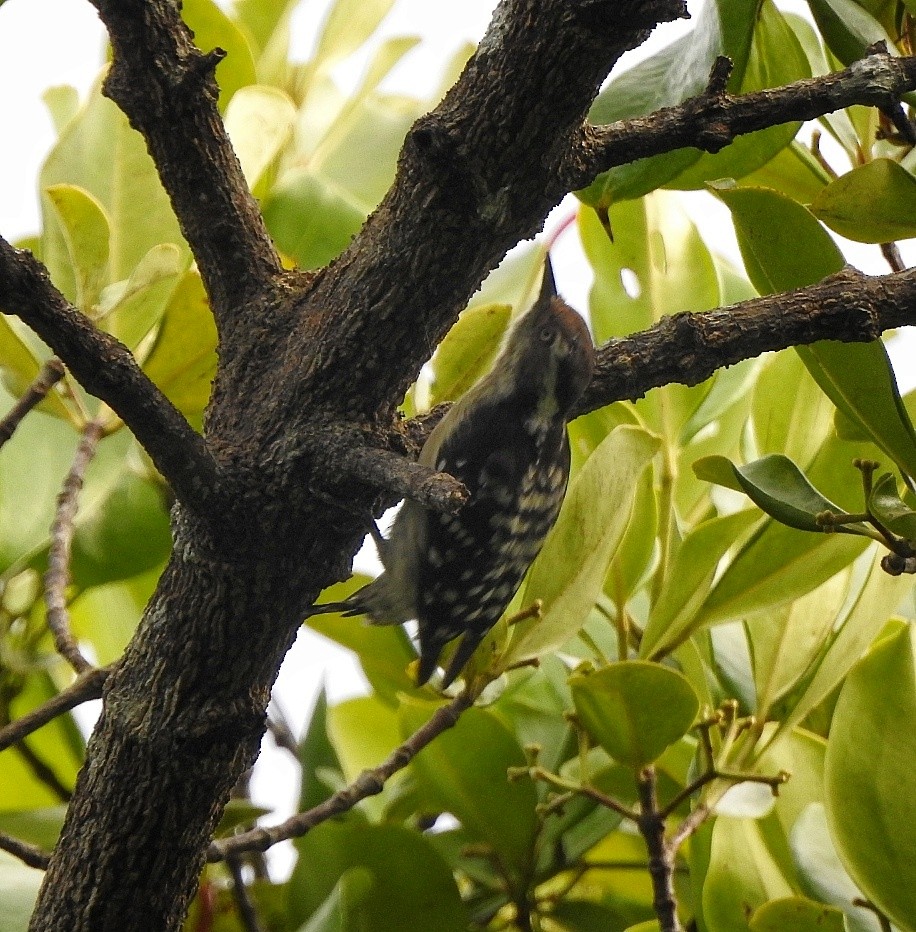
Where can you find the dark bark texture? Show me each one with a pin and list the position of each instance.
(266, 517)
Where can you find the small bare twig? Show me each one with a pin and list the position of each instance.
(883, 921)
(43, 771)
(58, 575)
(891, 253)
(368, 783)
(30, 855)
(247, 912)
(49, 375)
(280, 731)
(86, 687)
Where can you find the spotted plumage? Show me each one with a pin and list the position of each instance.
(506, 441)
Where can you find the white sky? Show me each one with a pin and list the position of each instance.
(50, 42)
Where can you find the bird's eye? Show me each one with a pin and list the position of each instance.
(546, 334)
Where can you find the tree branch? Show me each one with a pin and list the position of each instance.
(58, 575)
(49, 375)
(687, 348)
(714, 119)
(350, 457)
(106, 369)
(368, 783)
(165, 85)
(84, 688)
(31, 855)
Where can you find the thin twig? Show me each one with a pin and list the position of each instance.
(247, 912)
(86, 687)
(58, 575)
(49, 375)
(891, 253)
(368, 783)
(43, 771)
(30, 855)
(651, 824)
(693, 821)
(280, 731)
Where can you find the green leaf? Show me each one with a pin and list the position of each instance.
(796, 914)
(59, 744)
(782, 244)
(847, 28)
(316, 753)
(865, 614)
(464, 772)
(743, 875)
(36, 826)
(874, 203)
(870, 778)
(19, 367)
(259, 121)
(62, 101)
(107, 616)
(793, 171)
(412, 886)
(786, 641)
(778, 487)
(859, 380)
(657, 264)
(821, 873)
(619, 707)
(121, 531)
(311, 220)
(347, 27)
(341, 911)
(568, 575)
(85, 230)
(364, 732)
(791, 415)
(689, 580)
(776, 565)
(99, 152)
(182, 361)
(129, 310)
(889, 508)
(468, 351)
(213, 29)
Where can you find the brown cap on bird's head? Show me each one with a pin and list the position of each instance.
(552, 335)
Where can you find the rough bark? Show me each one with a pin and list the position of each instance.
(185, 709)
(256, 530)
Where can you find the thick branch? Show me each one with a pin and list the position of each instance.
(712, 120)
(83, 689)
(368, 783)
(166, 87)
(106, 369)
(850, 307)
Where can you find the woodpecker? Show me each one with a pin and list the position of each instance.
(506, 440)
